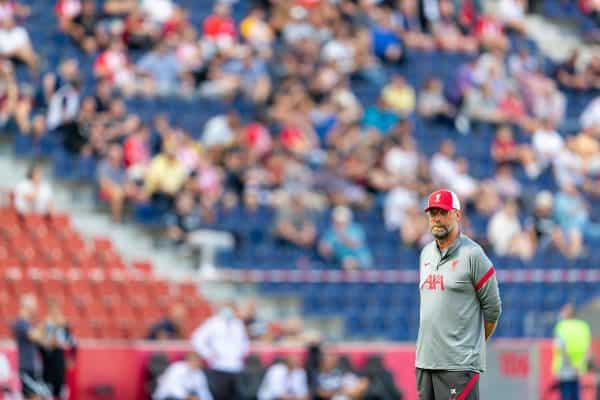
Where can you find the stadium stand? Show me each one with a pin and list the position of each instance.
(228, 195)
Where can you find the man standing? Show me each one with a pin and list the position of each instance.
(572, 342)
(460, 306)
(223, 343)
(30, 340)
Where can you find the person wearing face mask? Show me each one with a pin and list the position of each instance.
(223, 343)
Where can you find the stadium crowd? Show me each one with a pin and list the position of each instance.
(311, 143)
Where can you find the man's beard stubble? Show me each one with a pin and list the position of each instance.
(441, 234)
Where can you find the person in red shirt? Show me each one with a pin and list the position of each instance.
(220, 26)
(490, 33)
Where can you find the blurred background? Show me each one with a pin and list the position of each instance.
(167, 165)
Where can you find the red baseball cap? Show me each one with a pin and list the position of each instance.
(444, 199)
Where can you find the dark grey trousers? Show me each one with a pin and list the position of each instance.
(447, 385)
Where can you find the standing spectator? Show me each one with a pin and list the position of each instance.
(572, 341)
(286, 379)
(345, 241)
(113, 182)
(183, 380)
(58, 342)
(169, 327)
(223, 343)
(29, 336)
(33, 195)
(294, 224)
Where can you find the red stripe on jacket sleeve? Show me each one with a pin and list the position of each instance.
(485, 278)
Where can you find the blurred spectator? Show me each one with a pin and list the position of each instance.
(285, 379)
(506, 235)
(399, 96)
(443, 165)
(113, 183)
(221, 130)
(6, 375)
(381, 380)
(572, 214)
(169, 327)
(569, 166)
(15, 43)
(59, 342)
(547, 143)
(184, 220)
(183, 380)
(333, 382)
(569, 73)
(590, 117)
(159, 70)
(397, 202)
(223, 343)
(432, 102)
(113, 66)
(62, 115)
(256, 328)
(29, 335)
(544, 230)
(82, 28)
(34, 195)
(345, 241)
(414, 232)
(463, 183)
(219, 27)
(137, 153)
(409, 26)
(294, 223)
(507, 186)
(165, 176)
(447, 33)
(512, 14)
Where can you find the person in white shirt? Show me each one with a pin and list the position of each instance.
(183, 380)
(285, 380)
(222, 341)
(547, 143)
(33, 195)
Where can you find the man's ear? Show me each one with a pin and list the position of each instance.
(458, 215)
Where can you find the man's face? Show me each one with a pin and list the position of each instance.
(442, 222)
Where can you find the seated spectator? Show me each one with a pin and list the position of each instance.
(159, 70)
(432, 102)
(285, 379)
(379, 117)
(183, 380)
(397, 202)
(547, 143)
(294, 224)
(505, 149)
(333, 382)
(481, 105)
(113, 183)
(545, 232)
(82, 28)
(487, 200)
(113, 66)
(507, 186)
(590, 117)
(547, 102)
(169, 326)
(489, 31)
(506, 235)
(15, 43)
(443, 165)
(345, 241)
(255, 29)
(184, 220)
(447, 34)
(571, 212)
(219, 28)
(569, 73)
(221, 130)
(164, 177)
(463, 183)
(415, 231)
(512, 14)
(249, 73)
(570, 166)
(34, 195)
(385, 43)
(9, 92)
(137, 153)
(399, 96)
(409, 26)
